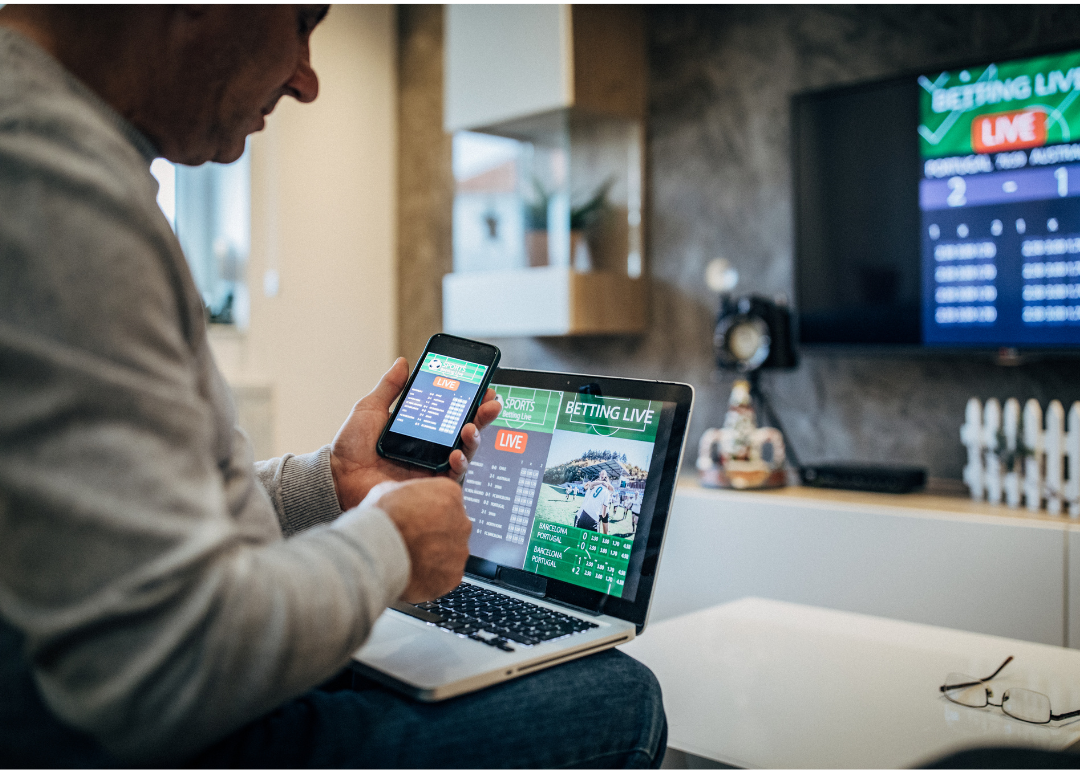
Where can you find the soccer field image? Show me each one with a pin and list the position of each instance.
(553, 506)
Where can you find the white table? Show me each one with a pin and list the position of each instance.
(763, 683)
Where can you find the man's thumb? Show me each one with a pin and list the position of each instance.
(389, 386)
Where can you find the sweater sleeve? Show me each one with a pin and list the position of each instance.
(301, 488)
(140, 560)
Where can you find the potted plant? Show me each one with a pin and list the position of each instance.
(583, 218)
(536, 225)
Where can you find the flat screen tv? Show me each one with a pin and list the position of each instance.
(942, 209)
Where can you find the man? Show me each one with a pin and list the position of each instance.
(570, 492)
(635, 509)
(594, 514)
(161, 600)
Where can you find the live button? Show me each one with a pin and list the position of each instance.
(511, 441)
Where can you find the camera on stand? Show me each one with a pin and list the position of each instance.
(753, 333)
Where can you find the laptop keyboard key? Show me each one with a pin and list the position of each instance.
(494, 618)
(514, 636)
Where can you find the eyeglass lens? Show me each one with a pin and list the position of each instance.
(973, 695)
(1025, 705)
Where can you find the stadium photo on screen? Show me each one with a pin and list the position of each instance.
(604, 475)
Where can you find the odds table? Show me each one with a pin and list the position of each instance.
(764, 683)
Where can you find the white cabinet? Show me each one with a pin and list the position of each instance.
(1072, 610)
(905, 557)
(506, 62)
(548, 102)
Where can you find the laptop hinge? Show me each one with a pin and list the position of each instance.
(481, 568)
(526, 582)
(576, 608)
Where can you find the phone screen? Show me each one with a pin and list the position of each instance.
(442, 394)
(436, 405)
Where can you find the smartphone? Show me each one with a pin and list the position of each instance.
(443, 393)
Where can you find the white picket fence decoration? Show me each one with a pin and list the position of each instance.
(1012, 455)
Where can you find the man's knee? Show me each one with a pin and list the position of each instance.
(641, 705)
(635, 685)
(629, 679)
(625, 696)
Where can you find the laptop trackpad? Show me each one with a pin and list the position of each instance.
(402, 647)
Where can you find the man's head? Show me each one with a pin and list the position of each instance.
(196, 80)
(603, 475)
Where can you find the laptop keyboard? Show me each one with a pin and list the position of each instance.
(494, 618)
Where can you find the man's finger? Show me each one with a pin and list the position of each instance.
(470, 440)
(470, 436)
(487, 412)
(389, 387)
(459, 465)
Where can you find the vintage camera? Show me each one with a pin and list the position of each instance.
(753, 333)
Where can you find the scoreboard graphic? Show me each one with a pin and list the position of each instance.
(1000, 203)
(434, 408)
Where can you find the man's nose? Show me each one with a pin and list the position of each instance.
(304, 84)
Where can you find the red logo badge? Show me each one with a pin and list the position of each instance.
(446, 382)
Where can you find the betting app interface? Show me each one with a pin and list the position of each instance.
(1000, 202)
(434, 409)
(557, 485)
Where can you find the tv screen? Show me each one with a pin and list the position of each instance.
(942, 209)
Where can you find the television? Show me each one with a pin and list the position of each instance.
(941, 209)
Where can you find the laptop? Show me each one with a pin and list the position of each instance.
(569, 496)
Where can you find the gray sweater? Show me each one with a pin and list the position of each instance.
(143, 559)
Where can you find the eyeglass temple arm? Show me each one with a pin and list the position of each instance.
(948, 687)
(1069, 715)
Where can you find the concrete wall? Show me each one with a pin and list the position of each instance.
(324, 216)
(425, 181)
(721, 78)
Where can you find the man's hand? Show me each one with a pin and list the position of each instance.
(430, 515)
(356, 465)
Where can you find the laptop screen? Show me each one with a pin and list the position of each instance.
(565, 482)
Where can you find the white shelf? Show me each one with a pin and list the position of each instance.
(935, 560)
(542, 301)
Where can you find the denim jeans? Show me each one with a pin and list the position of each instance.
(603, 710)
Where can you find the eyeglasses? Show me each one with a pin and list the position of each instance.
(1025, 705)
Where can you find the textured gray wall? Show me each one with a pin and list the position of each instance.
(720, 185)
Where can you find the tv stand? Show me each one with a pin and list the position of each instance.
(923, 557)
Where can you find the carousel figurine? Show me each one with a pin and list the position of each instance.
(741, 455)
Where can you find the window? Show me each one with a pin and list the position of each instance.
(209, 208)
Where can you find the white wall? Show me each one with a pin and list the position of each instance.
(323, 214)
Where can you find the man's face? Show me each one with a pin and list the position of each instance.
(232, 65)
(603, 475)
